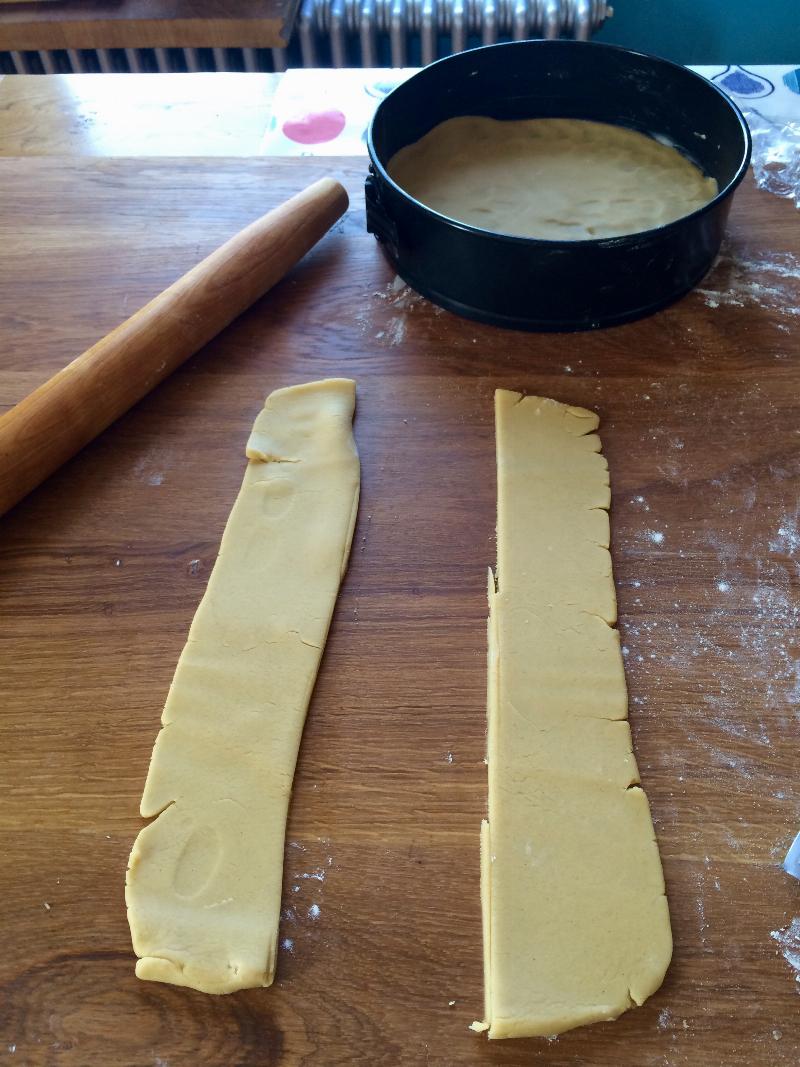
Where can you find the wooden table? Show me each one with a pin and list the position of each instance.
(146, 24)
(104, 565)
(203, 114)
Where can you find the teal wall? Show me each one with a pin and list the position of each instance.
(708, 31)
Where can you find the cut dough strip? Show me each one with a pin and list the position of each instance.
(576, 924)
(204, 880)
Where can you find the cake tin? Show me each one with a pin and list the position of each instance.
(527, 283)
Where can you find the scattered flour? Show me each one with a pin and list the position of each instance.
(787, 541)
(396, 331)
(701, 908)
(742, 636)
(313, 911)
(768, 281)
(149, 468)
(317, 875)
(789, 942)
(403, 300)
(287, 944)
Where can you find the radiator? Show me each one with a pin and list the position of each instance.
(346, 33)
(143, 60)
(357, 32)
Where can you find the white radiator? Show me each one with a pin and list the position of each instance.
(355, 30)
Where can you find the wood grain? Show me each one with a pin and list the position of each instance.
(61, 416)
(103, 566)
(146, 24)
(201, 114)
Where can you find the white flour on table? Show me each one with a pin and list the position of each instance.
(788, 940)
(769, 280)
(402, 301)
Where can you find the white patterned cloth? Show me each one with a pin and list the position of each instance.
(327, 112)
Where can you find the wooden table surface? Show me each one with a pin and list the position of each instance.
(201, 114)
(102, 568)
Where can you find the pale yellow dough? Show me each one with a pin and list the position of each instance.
(204, 880)
(556, 179)
(576, 924)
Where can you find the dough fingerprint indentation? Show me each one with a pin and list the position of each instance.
(197, 862)
(278, 497)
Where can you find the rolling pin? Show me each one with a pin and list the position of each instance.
(48, 427)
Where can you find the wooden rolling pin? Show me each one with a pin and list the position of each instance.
(48, 427)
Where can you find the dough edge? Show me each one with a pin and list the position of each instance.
(640, 986)
(196, 974)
